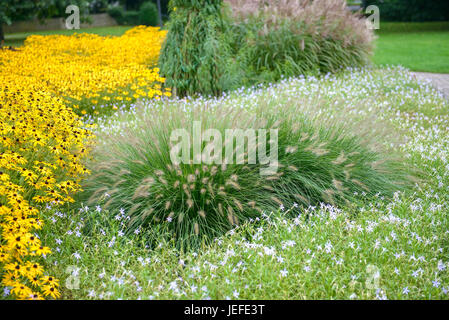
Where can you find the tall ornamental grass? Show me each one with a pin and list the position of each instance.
(196, 53)
(214, 46)
(318, 161)
(291, 37)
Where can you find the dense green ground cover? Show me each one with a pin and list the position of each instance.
(384, 248)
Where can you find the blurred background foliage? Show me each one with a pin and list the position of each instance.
(411, 10)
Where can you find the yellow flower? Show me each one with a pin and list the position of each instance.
(22, 291)
(41, 250)
(15, 268)
(34, 268)
(4, 257)
(50, 290)
(35, 281)
(95, 66)
(48, 280)
(36, 296)
(9, 279)
(43, 141)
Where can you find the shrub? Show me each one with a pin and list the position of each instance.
(196, 52)
(148, 14)
(411, 10)
(207, 53)
(131, 18)
(318, 162)
(118, 14)
(122, 17)
(288, 38)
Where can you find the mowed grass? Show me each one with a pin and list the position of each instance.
(416, 46)
(17, 39)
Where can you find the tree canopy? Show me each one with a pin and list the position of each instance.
(411, 10)
(17, 10)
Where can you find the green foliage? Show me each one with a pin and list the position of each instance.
(196, 53)
(412, 27)
(207, 52)
(118, 14)
(12, 10)
(136, 4)
(56, 8)
(148, 14)
(132, 4)
(131, 18)
(124, 18)
(412, 10)
(284, 52)
(15, 9)
(99, 6)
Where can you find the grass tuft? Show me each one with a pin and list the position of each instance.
(319, 160)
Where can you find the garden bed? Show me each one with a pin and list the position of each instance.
(384, 248)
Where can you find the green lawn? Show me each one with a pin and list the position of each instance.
(17, 39)
(417, 46)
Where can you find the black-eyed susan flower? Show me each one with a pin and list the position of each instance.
(51, 290)
(41, 250)
(21, 290)
(36, 296)
(44, 142)
(49, 280)
(34, 268)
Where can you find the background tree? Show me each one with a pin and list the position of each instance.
(159, 11)
(56, 8)
(195, 54)
(136, 4)
(12, 10)
(20, 10)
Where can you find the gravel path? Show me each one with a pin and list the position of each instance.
(440, 81)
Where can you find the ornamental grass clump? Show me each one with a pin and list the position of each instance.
(292, 37)
(325, 160)
(190, 202)
(317, 162)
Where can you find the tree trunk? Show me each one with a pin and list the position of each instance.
(2, 35)
(159, 10)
